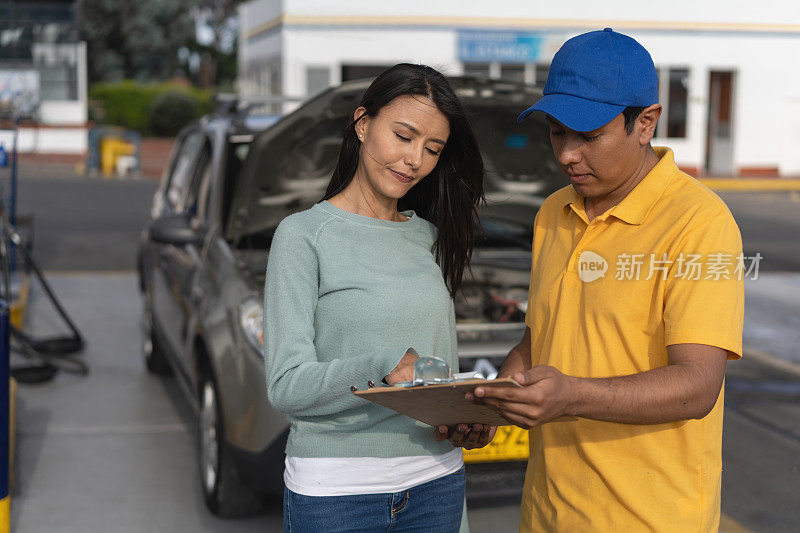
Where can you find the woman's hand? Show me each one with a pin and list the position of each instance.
(404, 371)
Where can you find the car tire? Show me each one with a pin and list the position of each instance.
(154, 358)
(224, 492)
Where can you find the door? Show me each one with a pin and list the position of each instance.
(185, 262)
(719, 141)
(191, 286)
(168, 258)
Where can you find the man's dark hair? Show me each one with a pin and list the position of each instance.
(631, 114)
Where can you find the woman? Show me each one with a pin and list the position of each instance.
(356, 287)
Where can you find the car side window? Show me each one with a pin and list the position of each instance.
(185, 163)
(235, 157)
(198, 193)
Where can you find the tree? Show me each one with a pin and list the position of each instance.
(216, 43)
(137, 40)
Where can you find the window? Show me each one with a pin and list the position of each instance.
(513, 72)
(476, 69)
(361, 72)
(317, 79)
(182, 169)
(57, 64)
(673, 85)
(275, 83)
(235, 158)
(197, 196)
(542, 70)
(676, 107)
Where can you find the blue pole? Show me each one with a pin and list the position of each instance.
(14, 155)
(5, 330)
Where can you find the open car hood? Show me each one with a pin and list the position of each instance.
(289, 165)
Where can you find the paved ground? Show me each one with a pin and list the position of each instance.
(769, 222)
(773, 314)
(85, 224)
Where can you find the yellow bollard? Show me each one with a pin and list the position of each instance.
(110, 149)
(5, 515)
(5, 426)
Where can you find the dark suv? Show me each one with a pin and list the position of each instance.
(233, 176)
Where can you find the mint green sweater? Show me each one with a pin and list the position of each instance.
(345, 297)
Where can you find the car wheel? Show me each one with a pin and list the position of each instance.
(225, 493)
(154, 358)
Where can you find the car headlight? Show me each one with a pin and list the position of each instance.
(251, 320)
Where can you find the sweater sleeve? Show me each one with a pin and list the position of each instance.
(298, 383)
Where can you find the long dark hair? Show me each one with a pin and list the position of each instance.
(449, 196)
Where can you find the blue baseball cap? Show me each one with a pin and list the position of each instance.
(594, 77)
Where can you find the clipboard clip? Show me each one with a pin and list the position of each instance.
(429, 371)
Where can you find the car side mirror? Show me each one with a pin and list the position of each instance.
(175, 229)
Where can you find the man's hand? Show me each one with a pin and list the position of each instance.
(466, 436)
(686, 388)
(546, 394)
(404, 371)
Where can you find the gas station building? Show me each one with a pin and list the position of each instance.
(730, 92)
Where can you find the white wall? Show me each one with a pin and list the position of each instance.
(790, 154)
(48, 140)
(334, 47)
(63, 112)
(628, 12)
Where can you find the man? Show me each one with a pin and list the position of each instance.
(636, 301)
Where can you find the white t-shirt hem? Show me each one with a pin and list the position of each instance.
(347, 476)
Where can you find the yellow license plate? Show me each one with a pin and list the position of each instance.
(510, 443)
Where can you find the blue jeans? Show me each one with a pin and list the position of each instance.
(433, 506)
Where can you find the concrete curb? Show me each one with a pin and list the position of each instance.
(745, 184)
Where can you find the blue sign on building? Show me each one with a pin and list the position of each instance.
(502, 46)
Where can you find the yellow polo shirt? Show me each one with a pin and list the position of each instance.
(663, 267)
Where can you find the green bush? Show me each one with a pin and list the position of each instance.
(172, 110)
(125, 103)
(149, 108)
